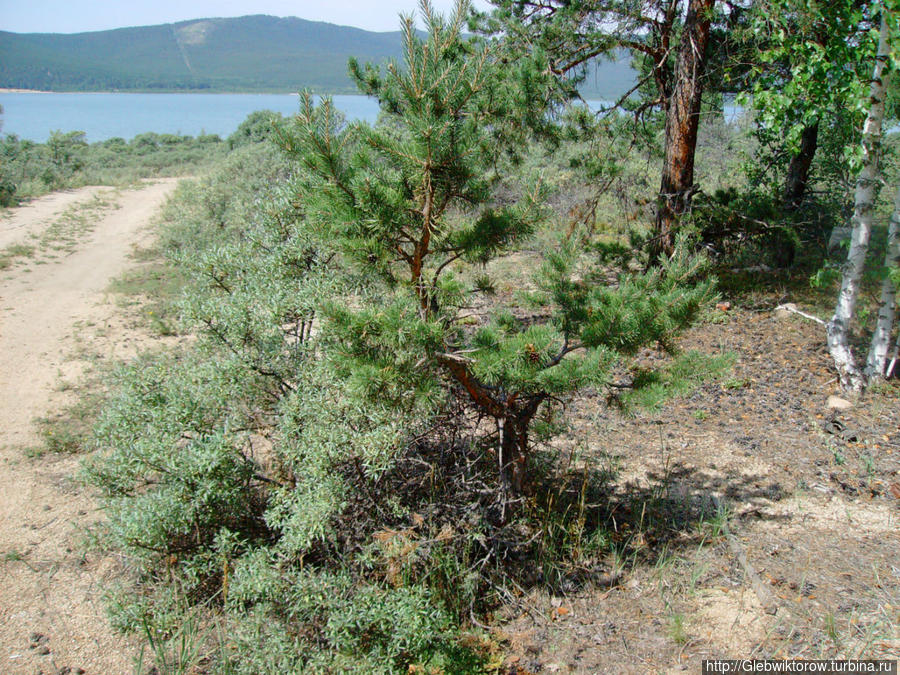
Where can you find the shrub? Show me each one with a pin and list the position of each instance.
(343, 462)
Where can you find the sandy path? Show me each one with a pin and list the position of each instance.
(17, 226)
(47, 585)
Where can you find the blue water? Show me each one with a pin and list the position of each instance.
(101, 116)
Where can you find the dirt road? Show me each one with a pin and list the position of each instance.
(51, 609)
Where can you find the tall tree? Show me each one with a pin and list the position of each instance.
(809, 77)
(876, 363)
(669, 37)
(838, 328)
(682, 123)
(407, 200)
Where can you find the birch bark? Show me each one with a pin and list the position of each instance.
(887, 311)
(838, 329)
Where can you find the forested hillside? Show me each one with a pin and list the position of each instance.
(250, 53)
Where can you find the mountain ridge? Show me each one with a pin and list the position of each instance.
(255, 53)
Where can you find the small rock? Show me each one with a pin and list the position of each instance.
(784, 311)
(43, 650)
(65, 670)
(838, 403)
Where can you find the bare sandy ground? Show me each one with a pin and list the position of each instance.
(20, 224)
(51, 610)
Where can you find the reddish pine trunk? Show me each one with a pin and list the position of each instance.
(513, 416)
(682, 122)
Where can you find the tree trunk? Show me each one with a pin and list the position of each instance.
(513, 455)
(513, 415)
(838, 329)
(887, 311)
(682, 122)
(798, 169)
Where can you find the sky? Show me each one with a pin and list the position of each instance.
(76, 16)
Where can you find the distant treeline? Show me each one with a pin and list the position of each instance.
(250, 54)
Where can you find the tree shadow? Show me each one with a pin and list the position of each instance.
(438, 517)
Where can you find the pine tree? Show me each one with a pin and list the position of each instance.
(407, 203)
(668, 41)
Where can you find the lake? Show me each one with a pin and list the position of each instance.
(107, 115)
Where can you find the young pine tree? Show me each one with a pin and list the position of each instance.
(409, 202)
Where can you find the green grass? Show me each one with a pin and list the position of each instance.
(69, 429)
(60, 237)
(152, 287)
(736, 383)
(677, 629)
(651, 388)
(9, 255)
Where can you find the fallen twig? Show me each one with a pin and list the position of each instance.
(766, 599)
(791, 307)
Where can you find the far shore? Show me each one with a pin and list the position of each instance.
(9, 90)
(6, 90)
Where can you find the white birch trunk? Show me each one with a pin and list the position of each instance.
(887, 311)
(896, 354)
(838, 329)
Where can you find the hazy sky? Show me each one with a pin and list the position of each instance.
(76, 16)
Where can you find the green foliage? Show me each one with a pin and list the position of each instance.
(751, 227)
(344, 627)
(813, 69)
(259, 126)
(405, 201)
(651, 388)
(311, 464)
(65, 154)
(175, 417)
(66, 160)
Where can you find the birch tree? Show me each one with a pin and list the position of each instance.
(809, 79)
(852, 376)
(876, 364)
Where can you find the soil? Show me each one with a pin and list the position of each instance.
(813, 502)
(19, 225)
(811, 494)
(51, 609)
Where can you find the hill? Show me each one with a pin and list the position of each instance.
(248, 54)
